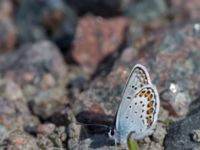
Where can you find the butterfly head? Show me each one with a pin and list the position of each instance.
(116, 136)
(111, 133)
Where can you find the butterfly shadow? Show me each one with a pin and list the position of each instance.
(95, 128)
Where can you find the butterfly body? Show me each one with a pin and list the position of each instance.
(138, 111)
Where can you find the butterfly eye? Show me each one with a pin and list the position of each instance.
(112, 132)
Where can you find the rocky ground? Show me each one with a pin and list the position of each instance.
(63, 61)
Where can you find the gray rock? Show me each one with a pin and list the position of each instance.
(21, 140)
(196, 135)
(48, 102)
(179, 134)
(145, 10)
(96, 142)
(55, 16)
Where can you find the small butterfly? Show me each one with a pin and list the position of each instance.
(138, 111)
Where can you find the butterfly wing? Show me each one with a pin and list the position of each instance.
(140, 115)
(138, 78)
(144, 113)
(130, 114)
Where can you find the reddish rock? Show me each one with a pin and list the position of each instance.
(95, 39)
(7, 35)
(7, 28)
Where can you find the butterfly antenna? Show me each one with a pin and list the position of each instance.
(93, 124)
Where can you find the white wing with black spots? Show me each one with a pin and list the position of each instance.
(138, 111)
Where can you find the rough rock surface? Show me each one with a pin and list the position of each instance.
(92, 45)
(179, 135)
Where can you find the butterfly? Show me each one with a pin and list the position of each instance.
(139, 108)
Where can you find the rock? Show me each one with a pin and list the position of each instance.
(60, 21)
(8, 31)
(163, 115)
(92, 45)
(184, 10)
(196, 135)
(3, 133)
(15, 114)
(98, 141)
(7, 88)
(34, 54)
(21, 140)
(52, 140)
(6, 10)
(34, 67)
(156, 146)
(47, 81)
(159, 133)
(56, 17)
(176, 100)
(8, 38)
(66, 118)
(44, 142)
(74, 131)
(179, 133)
(157, 139)
(46, 103)
(34, 75)
(146, 10)
(46, 129)
(171, 56)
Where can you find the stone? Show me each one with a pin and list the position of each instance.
(196, 135)
(47, 81)
(21, 140)
(159, 133)
(176, 100)
(8, 36)
(46, 103)
(179, 133)
(6, 10)
(98, 141)
(56, 17)
(92, 45)
(184, 10)
(171, 58)
(46, 129)
(15, 114)
(34, 67)
(146, 11)
(65, 117)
